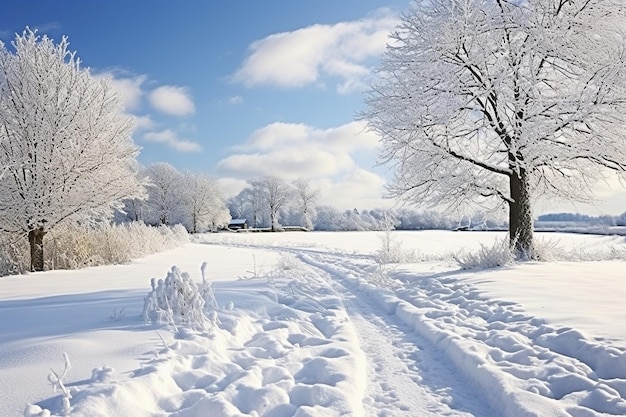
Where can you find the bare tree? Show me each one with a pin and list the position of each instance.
(204, 205)
(494, 101)
(237, 206)
(275, 194)
(305, 196)
(277, 197)
(249, 203)
(66, 151)
(165, 194)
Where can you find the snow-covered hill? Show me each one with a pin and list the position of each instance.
(313, 324)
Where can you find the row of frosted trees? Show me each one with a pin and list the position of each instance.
(270, 202)
(192, 199)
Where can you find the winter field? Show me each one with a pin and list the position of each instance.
(324, 324)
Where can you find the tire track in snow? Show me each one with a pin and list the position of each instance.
(522, 365)
(406, 376)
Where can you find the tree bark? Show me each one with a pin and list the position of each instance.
(521, 237)
(273, 220)
(35, 238)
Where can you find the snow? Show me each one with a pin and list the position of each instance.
(310, 324)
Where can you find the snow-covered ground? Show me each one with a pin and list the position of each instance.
(310, 324)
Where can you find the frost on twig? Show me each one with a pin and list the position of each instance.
(57, 380)
(206, 289)
(57, 383)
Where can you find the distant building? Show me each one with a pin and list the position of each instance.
(238, 224)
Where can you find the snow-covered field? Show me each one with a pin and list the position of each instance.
(310, 324)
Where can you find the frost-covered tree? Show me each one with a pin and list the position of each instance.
(203, 204)
(133, 210)
(165, 194)
(328, 218)
(276, 193)
(66, 151)
(305, 197)
(495, 101)
(248, 204)
(268, 195)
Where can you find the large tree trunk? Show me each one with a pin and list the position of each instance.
(273, 220)
(521, 218)
(35, 238)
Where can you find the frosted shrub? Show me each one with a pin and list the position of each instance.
(69, 247)
(391, 251)
(14, 254)
(175, 300)
(379, 276)
(72, 246)
(549, 250)
(487, 257)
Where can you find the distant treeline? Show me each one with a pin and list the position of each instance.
(605, 220)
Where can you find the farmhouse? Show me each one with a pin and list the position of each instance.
(238, 224)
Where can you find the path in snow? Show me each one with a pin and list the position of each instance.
(516, 362)
(406, 377)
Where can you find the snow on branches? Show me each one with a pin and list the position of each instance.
(493, 103)
(178, 300)
(66, 151)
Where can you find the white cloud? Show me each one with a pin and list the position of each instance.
(169, 138)
(278, 134)
(359, 188)
(326, 157)
(172, 100)
(128, 86)
(287, 163)
(349, 137)
(129, 89)
(144, 123)
(301, 57)
(230, 187)
(234, 100)
(291, 150)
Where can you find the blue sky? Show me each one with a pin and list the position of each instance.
(241, 89)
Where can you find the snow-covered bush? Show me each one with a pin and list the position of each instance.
(72, 246)
(177, 300)
(550, 251)
(391, 251)
(14, 254)
(499, 254)
(380, 276)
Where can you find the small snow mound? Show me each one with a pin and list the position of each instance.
(34, 410)
(102, 374)
(319, 371)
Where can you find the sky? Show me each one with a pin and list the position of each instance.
(244, 89)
